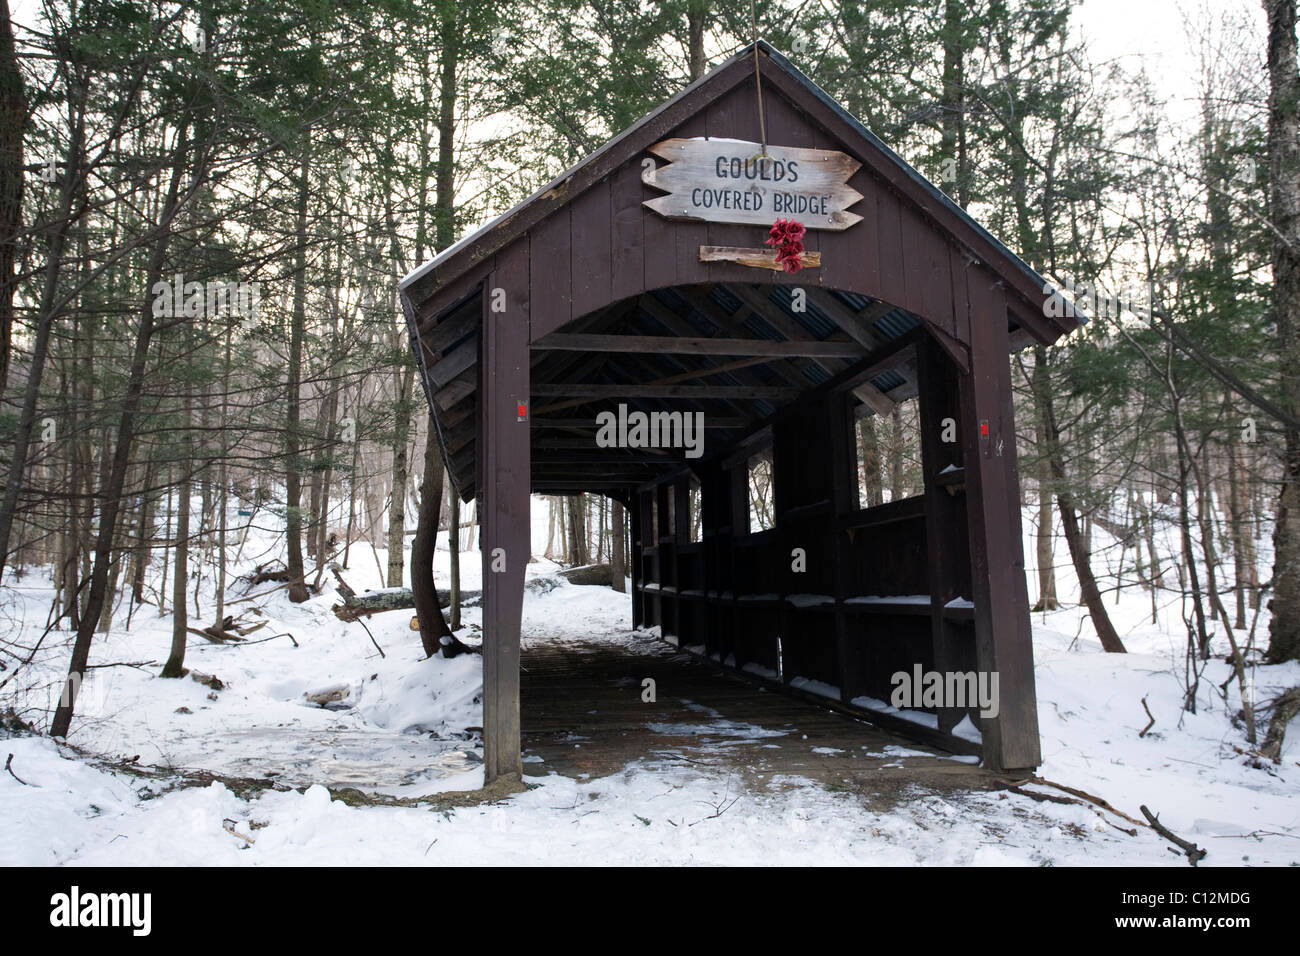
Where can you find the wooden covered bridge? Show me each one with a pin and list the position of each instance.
(640, 278)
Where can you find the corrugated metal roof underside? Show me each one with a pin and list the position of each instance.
(720, 311)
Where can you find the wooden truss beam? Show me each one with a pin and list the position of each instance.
(803, 348)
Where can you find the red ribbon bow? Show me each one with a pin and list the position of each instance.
(787, 235)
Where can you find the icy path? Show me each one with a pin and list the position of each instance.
(585, 714)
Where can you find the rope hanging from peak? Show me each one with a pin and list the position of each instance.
(758, 83)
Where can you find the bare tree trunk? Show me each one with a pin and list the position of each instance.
(352, 502)
(1284, 210)
(470, 540)
(1235, 520)
(562, 505)
(223, 480)
(175, 666)
(1205, 515)
(617, 566)
(293, 466)
(953, 97)
(896, 455)
(1047, 600)
(327, 479)
(1156, 574)
(869, 452)
(167, 550)
(1185, 466)
(112, 494)
(1249, 524)
(13, 119)
(143, 550)
(114, 572)
(60, 224)
(577, 530)
(434, 633)
(1079, 553)
(550, 528)
(453, 543)
(697, 12)
(397, 499)
(600, 529)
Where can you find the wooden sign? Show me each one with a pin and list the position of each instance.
(731, 180)
(756, 258)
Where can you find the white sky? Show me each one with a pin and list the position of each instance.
(1125, 30)
(1159, 33)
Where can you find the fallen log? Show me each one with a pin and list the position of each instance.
(1285, 709)
(589, 574)
(215, 635)
(356, 606)
(267, 572)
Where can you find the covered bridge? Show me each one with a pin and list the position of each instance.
(641, 278)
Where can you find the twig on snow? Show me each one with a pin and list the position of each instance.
(10, 768)
(372, 639)
(1194, 853)
(229, 827)
(1149, 714)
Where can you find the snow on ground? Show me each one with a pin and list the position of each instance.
(407, 728)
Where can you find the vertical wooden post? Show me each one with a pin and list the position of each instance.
(663, 530)
(738, 484)
(844, 482)
(715, 531)
(1002, 630)
(943, 525)
(635, 564)
(680, 490)
(650, 603)
(504, 461)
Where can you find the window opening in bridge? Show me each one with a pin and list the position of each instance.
(762, 513)
(696, 524)
(888, 451)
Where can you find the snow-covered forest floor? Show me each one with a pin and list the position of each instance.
(406, 729)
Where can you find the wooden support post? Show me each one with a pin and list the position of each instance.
(635, 563)
(663, 532)
(844, 499)
(650, 603)
(738, 481)
(945, 531)
(1002, 630)
(714, 508)
(680, 490)
(504, 486)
